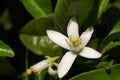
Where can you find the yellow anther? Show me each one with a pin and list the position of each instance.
(29, 71)
(75, 41)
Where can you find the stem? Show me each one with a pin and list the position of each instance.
(26, 63)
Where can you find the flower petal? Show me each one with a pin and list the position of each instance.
(86, 35)
(51, 71)
(90, 53)
(58, 38)
(39, 66)
(66, 63)
(72, 29)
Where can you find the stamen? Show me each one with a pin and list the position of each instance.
(75, 41)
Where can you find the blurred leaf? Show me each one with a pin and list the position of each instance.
(38, 8)
(45, 76)
(110, 46)
(102, 7)
(100, 74)
(5, 20)
(113, 35)
(40, 45)
(6, 70)
(81, 9)
(116, 3)
(38, 26)
(5, 50)
(105, 64)
(42, 75)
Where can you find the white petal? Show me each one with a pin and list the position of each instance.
(40, 66)
(58, 38)
(86, 35)
(66, 63)
(90, 53)
(52, 71)
(72, 29)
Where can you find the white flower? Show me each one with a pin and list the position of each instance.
(75, 43)
(47, 63)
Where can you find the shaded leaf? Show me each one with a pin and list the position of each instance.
(113, 35)
(116, 4)
(6, 70)
(105, 64)
(5, 50)
(42, 75)
(93, 43)
(40, 45)
(5, 20)
(110, 46)
(81, 9)
(102, 7)
(38, 8)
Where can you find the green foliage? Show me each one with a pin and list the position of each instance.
(102, 7)
(40, 45)
(110, 46)
(6, 69)
(38, 26)
(81, 9)
(115, 4)
(113, 35)
(100, 74)
(5, 50)
(5, 20)
(103, 15)
(38, 8)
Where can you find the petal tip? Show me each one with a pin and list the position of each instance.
(91, 28)
(99, 55)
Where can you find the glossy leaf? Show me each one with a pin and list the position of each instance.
(100, 74)
(113, 35)
(38, 8)
(38, 26)
(40, 45)
(5, 50)
(81, 9)
(102, 7)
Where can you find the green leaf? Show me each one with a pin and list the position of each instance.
(5, 20)
(40, 45)
(42, 75)
(110, 46)
(38, 8)
(38, 26)
(102, 7)
(6, 70)
(116, 4)
(113, 35)
(5, 50)
(81, 9)
(105, 64)
(94, 43)
(100, 74)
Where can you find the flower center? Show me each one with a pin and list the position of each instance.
(75, 41)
